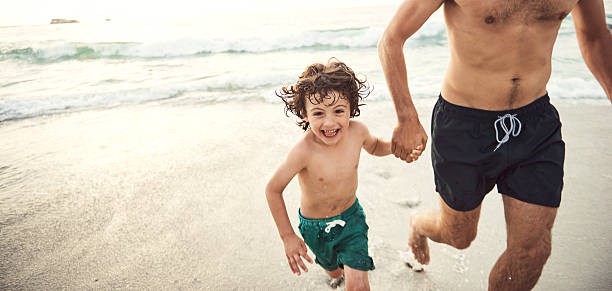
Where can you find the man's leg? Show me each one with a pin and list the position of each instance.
(356, 279)
(449, 226)
(528, 245)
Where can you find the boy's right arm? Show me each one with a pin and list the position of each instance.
(295, 248)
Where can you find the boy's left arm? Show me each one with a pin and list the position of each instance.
(373, 145)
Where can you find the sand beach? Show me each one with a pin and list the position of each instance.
(166, 196)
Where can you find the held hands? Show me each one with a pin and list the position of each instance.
(295, 249)
(409, 140)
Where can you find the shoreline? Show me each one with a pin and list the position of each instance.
(419, 102)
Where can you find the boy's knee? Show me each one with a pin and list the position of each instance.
(357, 285)
(357, 281)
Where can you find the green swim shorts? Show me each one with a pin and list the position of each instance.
(339, 240)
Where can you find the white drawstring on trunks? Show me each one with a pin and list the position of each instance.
(331, 224)
(513, 129)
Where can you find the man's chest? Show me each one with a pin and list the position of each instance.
(515, 11)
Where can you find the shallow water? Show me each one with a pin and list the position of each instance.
(49, 69)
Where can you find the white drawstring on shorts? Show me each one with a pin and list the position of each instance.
(513, 129)
(331, 224)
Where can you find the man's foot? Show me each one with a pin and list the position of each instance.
(408, 259)
(418, 243)
(335, 282)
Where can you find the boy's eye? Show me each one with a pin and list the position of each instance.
(339, 111)
(317, 113)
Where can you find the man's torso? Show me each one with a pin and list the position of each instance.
(329, 181)
(500, 50)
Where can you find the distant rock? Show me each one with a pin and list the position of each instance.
(107, 19)
(61, 20)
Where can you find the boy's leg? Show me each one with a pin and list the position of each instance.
(448, 226)
(335, 274)
(336, 278)
(356, 279)
(528, 247)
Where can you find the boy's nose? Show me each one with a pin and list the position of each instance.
(328, 121)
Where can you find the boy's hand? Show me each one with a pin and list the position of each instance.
(295, 249)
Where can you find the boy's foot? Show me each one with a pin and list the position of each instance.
(418, 243)
(335, 282)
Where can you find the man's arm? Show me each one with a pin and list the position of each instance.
(595, 40)
(409, 133)
(295, 248)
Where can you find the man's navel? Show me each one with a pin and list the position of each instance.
(514, 90)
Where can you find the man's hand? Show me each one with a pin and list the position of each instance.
(409, 140)
(295, 249)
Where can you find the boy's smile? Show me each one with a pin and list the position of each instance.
(329, 118)
(330, 133)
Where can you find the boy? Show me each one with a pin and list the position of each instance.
(332, 222)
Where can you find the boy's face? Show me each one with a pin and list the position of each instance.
(329, 121)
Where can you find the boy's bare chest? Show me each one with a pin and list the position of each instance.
(515, 11)
(334, 166)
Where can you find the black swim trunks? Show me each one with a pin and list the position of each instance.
(519, 150)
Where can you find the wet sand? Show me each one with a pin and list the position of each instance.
(159, 196)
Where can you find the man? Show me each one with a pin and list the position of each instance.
(493, 123)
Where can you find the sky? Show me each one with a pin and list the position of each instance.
(42, 11)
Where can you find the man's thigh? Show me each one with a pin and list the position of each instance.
(528, 225)
(459, 225)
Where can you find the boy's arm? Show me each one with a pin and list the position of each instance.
(295, 248)
(373, 145)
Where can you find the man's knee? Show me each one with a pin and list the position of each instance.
(461, 238)
(462, 242)
(537, 253)
(540, 252)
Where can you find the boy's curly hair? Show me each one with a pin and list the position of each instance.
(317, 83)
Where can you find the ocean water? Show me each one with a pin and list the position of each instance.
(48, 69)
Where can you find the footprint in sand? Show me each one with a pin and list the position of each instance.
(383, 174)
(410, 202)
